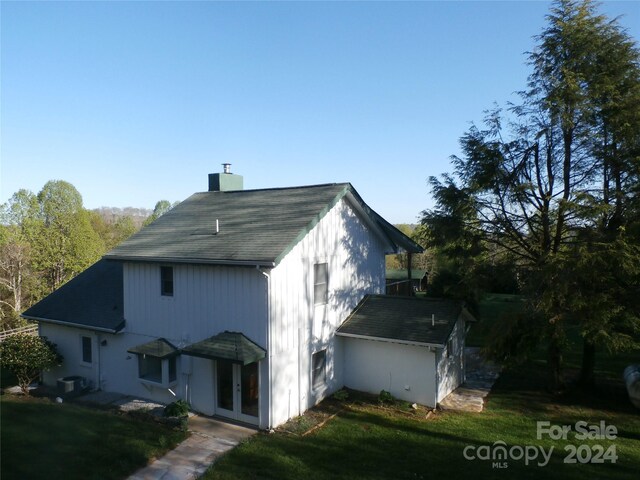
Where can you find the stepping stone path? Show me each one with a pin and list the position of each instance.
(480, 377)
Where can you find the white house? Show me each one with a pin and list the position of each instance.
(232, 301)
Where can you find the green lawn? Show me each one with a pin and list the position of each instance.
(366, 441)
(45, 440)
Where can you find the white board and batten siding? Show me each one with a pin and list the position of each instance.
(206, 300)
(355, 257)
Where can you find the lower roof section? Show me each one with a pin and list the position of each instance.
(410, 320)
(92, 300)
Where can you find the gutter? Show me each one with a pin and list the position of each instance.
(269, 347)
(76, 325)
(200, 261)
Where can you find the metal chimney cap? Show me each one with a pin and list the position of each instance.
(226, 167)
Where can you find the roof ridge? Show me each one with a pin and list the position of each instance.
(297, 187)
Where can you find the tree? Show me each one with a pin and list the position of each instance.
(18, 218)
(533, 184)
(162, 207)
(64, 242)
(26, 356)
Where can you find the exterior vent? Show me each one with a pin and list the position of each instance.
(225, 181)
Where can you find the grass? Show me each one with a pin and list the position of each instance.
(369, 441)
(45, 440)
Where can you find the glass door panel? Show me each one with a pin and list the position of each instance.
(225, 384)
(249, 389)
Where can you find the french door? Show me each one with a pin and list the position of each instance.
(237, 391)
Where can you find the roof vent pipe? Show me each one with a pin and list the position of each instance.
(226, 167)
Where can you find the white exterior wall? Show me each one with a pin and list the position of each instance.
(69, 345)
(355, 257)
(451, 367)
(206, 300)
(408, 372)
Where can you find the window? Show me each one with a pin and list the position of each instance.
(166, 281)
(320, 283)
(87, 354)
(154, 369)
(450, 347)
(319, 372)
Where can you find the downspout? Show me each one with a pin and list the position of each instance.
(269, 349)
(99, 342)
(409, 254)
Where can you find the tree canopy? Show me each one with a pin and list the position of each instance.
(552, 183)
(47, 239)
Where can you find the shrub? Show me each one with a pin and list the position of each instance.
(179, 408)
(385, 397)
(26, 356)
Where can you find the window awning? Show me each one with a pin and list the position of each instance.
(159, 348)
(231, 346)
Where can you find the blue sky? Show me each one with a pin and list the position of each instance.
(133, 102)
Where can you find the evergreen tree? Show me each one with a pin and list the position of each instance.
(560, 171)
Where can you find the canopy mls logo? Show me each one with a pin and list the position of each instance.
(499, 453)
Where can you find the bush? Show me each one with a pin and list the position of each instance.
(26, 356)
(385, 397)
(179, 408)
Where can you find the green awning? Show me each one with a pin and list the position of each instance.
(232, 346)
(159, 348)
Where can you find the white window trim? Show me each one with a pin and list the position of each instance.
(324, 384)
(320, 261)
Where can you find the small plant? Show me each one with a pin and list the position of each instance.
(341, 395)
(385, 397)
(179, 408)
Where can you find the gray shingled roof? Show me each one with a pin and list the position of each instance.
(159, 348)
(232, 346)
(403, 319)
(92, 300)
(255, 226)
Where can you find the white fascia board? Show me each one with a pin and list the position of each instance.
(357, 206)
(391, 340)
(198, 261)
(71, 324)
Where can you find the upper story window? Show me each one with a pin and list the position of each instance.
(320, 284)
(166, 281)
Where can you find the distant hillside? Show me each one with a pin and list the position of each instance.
(111, 214)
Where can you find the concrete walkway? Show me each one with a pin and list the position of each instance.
(481, 375)
(209, 439)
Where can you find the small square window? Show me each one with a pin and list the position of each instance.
(166, 281)
(157, 370)
(150, 368)
(87, 353)
(319, 365)
(320, 284)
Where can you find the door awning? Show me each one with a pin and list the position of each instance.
(231, 346)
(159, 348)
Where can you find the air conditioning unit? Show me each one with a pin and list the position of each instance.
(71, 385)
